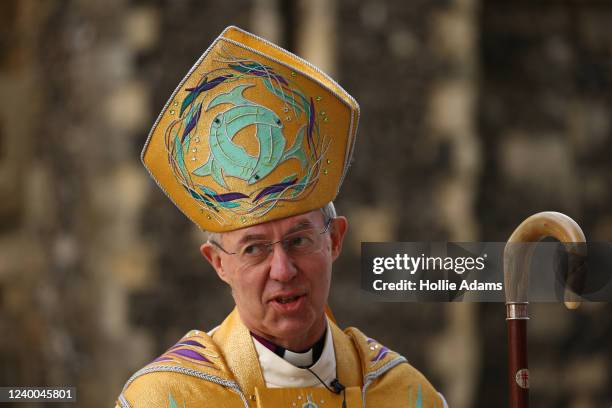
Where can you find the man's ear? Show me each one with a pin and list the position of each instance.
(210, 252)
(337, 232)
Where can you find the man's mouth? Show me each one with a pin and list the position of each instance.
(285, 300)
(288, 303)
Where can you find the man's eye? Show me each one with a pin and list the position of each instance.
(299, 241)
(253, 249)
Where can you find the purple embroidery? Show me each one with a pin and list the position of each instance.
(162, 359)
(190, 354)
(189, 343)
(381, 353)
(311, 126)
(192, 123)
(274, 188)
(223, 198)
(204, 86)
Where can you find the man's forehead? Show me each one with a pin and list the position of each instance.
(284, 224)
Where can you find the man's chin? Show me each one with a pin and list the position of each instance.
(290, 326)
(292, 329)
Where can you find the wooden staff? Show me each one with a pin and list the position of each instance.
(516, 279)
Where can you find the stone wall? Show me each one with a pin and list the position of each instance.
(544, 123)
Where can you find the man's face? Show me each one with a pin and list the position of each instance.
(281, 298)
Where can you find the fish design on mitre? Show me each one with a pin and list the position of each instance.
(227, 158)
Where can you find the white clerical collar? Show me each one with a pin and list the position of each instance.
(284, 372)
(299, 359)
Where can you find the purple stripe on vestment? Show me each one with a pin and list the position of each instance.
(162, 359)
(190, 354)
(189, 343)
(381, 353)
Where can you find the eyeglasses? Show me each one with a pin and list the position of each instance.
(297, 244)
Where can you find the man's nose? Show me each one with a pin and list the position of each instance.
(282, 268)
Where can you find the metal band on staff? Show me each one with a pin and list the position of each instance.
(516, 311)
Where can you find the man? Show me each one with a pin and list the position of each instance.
(253, 147)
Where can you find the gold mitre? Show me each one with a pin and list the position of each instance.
(253, 133)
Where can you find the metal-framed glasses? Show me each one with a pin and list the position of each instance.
(296, 244)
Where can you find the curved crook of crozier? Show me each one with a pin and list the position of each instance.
(517, 256)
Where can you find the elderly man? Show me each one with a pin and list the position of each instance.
(253, 147)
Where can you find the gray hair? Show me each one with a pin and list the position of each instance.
(328, 211)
